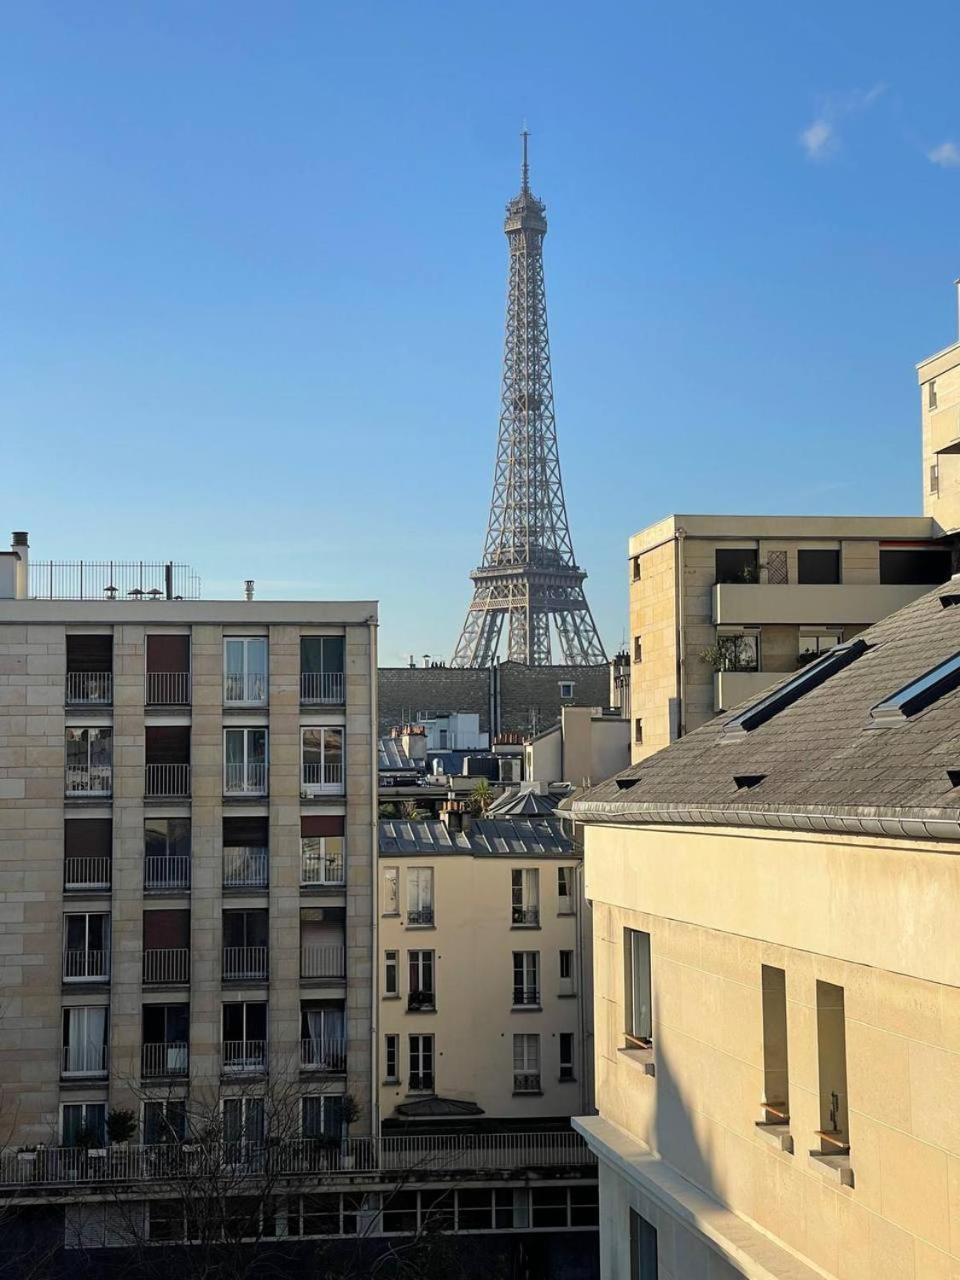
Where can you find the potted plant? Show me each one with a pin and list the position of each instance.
(121, 1126)
(350, 1113)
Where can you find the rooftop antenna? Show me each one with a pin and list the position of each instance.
(525, 171)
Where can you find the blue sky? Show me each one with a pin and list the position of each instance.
(252, 276)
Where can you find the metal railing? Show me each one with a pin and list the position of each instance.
(169, 781)
(322, 961)
(417, 1000)
(321, 868)
(86, 966)
(321, 686)
(526, 1082)
(244, 1055)
(245, 962)
(167, 689)
(525, 995)
(166, 871)
(84, 1059)
(111, 580)
(166, 965)
(325, 1054)
(352, 1158)
(248, 689)
(245, 868)
(165, 1060)
(324, 776)
(245, 779)
(421, 1081)
(420, 915)
(86, 873)
(95, 780)
(526, 915)
(89, 688)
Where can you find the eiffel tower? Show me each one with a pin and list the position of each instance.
(528, 575)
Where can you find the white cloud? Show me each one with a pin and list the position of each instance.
(818, 139)
(947, 155)
(821, 138)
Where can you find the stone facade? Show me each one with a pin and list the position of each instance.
(939, 378)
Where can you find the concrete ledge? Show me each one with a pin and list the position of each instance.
(757, 1255)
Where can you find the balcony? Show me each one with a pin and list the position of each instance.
(245, 964)
(730, 688)
(167, 689)
(525, 997)
(90, 873)
(84, 1060)
(167, 782)
(93, 780)
(526, 1082)
(166, 966)
(86, 966)
(321, 869)
(89, 689)
(242, 1057)
(244, 689)
(245, 868)
(321, 687)
(328, 1055)
(164, 1060)
(245, 780)
(421, 1001)
(831, 604)
(526, 916)
(321, 778)
(323, 961)
(421, 1082)
(420, 915)
(167, 873)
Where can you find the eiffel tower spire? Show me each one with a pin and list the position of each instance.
(528, 575)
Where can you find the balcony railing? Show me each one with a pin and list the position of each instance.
(321, 686)
(360, 1158)
(322, 961)
(324, 1055)
(86, 966)
(166, 871)
(93, 780)
(167, 966)
(86, 873)
(244, 1055)
(526, 1082)
(169, 781)
(244, 962)
(418, 1000)
(84, 1059)
(525, 996)
(421, 1081)
(245, 868)
(165, 1060)
(246, 690)
(245, 780)
(420, 915)
(323, 777)
(89, 688)
(526, 915)
(167, 689)
(321, 868)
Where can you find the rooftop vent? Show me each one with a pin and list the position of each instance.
(746, 780)
(918, 694)
(949, 600)
(954, 776)
(624, 784)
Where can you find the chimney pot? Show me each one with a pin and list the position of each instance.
(248, 588)
(21, 539)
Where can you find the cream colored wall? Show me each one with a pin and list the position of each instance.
(653, 616)
(474, 1024)
(876, 918)
(941, 431)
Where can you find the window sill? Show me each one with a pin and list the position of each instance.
(528, 1093)
(420, 926)
(566, 995)
(777, 1134)
(566, 1079)
(390, 915)
(640, 1059)
(427, 1009)
(525, 926)
(834, 1168)
(391, 1080)
(526, 1008)
(395, 995)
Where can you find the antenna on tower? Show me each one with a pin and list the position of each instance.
(525, 171)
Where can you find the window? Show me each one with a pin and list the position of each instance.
(86, 947)
(915, 566)
(525, 896)
(87, 853)
(832, 1063)
(526, 978)
(322, 756)
(637, 995)
(813, 644)
(323, 1214)
(565, 890)
(485, 1209)
(391, 891)
(166, 850)
(419, 895)
(919, 693)
(89, 762)
(245, 670)
(637, 649)
(85, 1041)
(391, 973)
(321, 1116)
(244, 1126)
(526, 1064)
(818, 566)
(785, 695)
(421, 993)
(89, 679)
(321, 669)
(548, 1206)
(566, 688)
(245, 1035)
(323, 1042)
(164, 1121)
(321, 850)
(421, 1063)
(166, 946)
(934, 477)
(738, 651)
(637, 572)
(391, 1059)
(932, 394)
(400, 1213)
(83, 1124)
(566, 964)
(776, 1088)
(566, 1055)
(245, 944)
(168, 671)
(166, 1032)
(246, 852)
(643, 1248)
(737, 564)
(245, 762)
(638, 731)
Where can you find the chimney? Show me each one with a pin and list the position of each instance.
(426, 660)
(451, 815)
(248, 589)
(21, 545)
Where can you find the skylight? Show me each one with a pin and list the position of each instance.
(810, 677)
(919, 693)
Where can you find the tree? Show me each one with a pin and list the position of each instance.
(480, 799)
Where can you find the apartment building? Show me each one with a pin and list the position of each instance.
(776, 903)
(484, 983)
(939, 378)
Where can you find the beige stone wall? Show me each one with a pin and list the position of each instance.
(653, 680)
(720, 904)
(941, 431)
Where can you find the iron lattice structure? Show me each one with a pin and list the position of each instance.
(528, 575)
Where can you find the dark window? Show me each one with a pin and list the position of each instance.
(637, 992)
(245, 1021)
(87, 837)
(436, 1210)
(89, 653)
(914, 566)
(475, 1210)
(548, 1207)
(166, 1023)
(164, 1122)
(818, 566)
(166, 1220)
(168, 654)
(167, 744)
(321, 1215)
(317, 824)
(245, 928)
(584, 1206)
(167, 837)
(321, 653)
(400, 1212)
(643, 1248)
(246, 833)
(638, 731)
(737, 564)
(163, 929)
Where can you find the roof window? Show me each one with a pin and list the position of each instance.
(744, 781)
(624, 784)
(810, 677)
(918, 694)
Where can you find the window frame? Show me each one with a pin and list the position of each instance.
(391, 962)
(423, 915)
(337, 784)
(421, 1048)
(248, 677)
(638, 989)
(391, 1048)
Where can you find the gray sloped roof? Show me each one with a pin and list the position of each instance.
(522, 804)
(393, 758)
(487, 837)
(825, 764)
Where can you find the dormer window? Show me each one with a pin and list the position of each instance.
(918, 694)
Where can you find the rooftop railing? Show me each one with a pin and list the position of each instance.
(112, 580)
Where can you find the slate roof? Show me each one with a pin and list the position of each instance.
(522, 804)
(825, 764)
(393, 758)
(487, 837)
